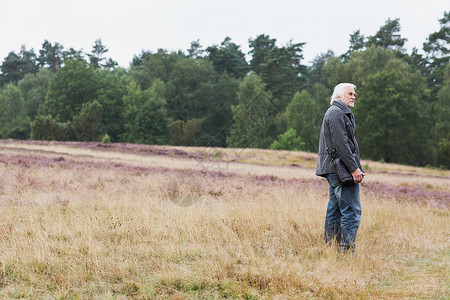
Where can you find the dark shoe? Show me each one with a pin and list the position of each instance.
(346, 249)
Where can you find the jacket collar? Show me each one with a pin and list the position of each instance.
(342, 106)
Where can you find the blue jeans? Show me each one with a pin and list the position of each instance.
(343, 212)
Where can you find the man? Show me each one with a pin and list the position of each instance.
(337, 136)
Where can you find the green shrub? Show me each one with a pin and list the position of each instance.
(47, 128)
(106, 139)
(288, 141)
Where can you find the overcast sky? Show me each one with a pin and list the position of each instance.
(127, 27)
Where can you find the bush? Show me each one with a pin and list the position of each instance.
(86, 123)
(106, 139)
(47, 128)
(288, 141)
(183, 133)
(444, 152)
(18, 128)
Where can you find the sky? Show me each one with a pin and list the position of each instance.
(127, 27)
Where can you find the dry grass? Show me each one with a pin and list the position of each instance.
(81, 223)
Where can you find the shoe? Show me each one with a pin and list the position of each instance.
(346, 249)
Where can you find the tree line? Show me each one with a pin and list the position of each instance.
(217, 97)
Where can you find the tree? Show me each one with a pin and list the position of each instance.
(321, 95)
(437, 52)
(96, 57)
(151, 120)
(418, 61)
(138, 61)
(279, 68)
(219, 115)
(73, 85)
(72, 54)
(111, 92)
(151, 66)
(388, 37)
(442, 109)
(252, 121)
(31, 58)
(190, 89)
(196, 50)
(317, 72)
(361, 65)
(16, 66)
(390, 120)
(149, 124)
(12, 68)
(444, 152)
(51, 56)
(228, 58)
(34, 88)
(13, 122)
(11, 102)
(86, 123)
(133, 100)
(441, 130)
(261, 47)
(301, 116)
(357, 43)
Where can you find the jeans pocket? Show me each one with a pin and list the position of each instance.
(333, 180)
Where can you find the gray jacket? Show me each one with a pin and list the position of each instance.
(338, 133)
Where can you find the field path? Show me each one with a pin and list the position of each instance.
(160, 161)
(391, 174)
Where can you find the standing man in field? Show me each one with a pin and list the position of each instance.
(337, 137)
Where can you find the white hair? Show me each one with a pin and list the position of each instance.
(339, 91)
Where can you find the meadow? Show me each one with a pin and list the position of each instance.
(122, 221)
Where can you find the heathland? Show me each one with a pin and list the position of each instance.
(90, 220)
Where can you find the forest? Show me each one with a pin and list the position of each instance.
(218, 96)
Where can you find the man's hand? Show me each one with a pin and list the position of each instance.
(358, 175)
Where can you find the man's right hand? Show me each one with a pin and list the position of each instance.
(358, 175)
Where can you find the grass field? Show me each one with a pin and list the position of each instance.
(95, 221)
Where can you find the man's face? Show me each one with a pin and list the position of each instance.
(349, 97)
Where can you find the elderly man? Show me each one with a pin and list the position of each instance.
(337, 138)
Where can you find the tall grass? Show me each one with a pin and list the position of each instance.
(91, 226)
